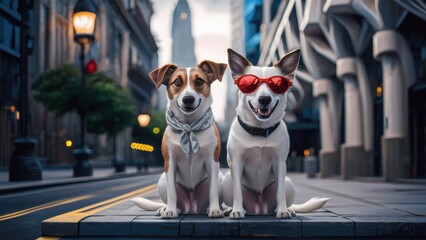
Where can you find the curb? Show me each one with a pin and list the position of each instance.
(39, 185)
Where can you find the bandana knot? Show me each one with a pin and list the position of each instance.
(188, 140)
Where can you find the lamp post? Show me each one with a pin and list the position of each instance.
(84, 19)
(24, 166)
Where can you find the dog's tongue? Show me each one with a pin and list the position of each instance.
(263, 112)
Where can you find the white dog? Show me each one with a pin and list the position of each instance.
(191, 143)
(258, 142)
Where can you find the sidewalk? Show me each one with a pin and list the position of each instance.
(55, 176)
(357, 209)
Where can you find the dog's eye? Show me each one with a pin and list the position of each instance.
(199, 82)
(178, 82)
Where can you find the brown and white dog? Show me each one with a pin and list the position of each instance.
(191, 143)
(258, 142)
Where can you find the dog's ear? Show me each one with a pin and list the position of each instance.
(237, 63)
(162, 75)
(288, 64)
(213, 70)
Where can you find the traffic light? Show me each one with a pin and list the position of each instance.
(91, 66)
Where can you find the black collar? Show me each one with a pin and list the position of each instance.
(265, 132)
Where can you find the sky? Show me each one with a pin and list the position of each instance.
(211, 29)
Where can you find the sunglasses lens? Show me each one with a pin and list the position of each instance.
(279, 85)
(248, 83)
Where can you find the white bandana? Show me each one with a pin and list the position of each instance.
(188, 140)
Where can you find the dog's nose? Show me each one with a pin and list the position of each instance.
(265, 100)
(188, 100)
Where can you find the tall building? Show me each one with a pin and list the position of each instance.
(183, 49)
(252, 27)
(9, 76)
(351, 50)
(278, 37)
(124, 48)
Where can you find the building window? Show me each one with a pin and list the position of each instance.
(62, 7)
(9, 28)
(61, 40)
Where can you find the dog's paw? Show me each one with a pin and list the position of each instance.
(169, 214)
(227, 211)
(161, 210)
(286, 214)
(292, 212)
(215, 213)
(236, 214)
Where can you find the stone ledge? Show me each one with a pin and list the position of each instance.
(355, 210)
(320, 224)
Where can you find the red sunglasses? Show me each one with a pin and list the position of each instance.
(249, 83)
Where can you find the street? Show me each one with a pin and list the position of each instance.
(21, 213)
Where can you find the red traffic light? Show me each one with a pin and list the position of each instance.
(91, 66)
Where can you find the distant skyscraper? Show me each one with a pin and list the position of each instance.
(183, 43)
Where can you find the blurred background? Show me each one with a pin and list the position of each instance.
(357, 105)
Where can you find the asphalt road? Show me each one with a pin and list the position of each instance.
(21, 213)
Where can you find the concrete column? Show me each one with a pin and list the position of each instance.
(325, 123)
(329, 154)
(353, 112)
(391, 49)
(392, 96)
(356, 152)
(351, 152)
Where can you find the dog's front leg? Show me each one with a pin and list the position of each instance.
(214, 208)
(171, 209)
(236, 173)
(280, 170)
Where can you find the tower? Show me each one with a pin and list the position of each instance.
(183, 53)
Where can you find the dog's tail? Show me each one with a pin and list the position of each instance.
(309, 206)
(147, 204)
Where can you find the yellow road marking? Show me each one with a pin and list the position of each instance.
(48, 238)
(79, 214)
(44, 206)
(62, 202)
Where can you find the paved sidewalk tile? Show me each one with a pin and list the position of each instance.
(317, 213)
(270, 226)
(382, 227)
(418, 225)
(418, 208)
(155, 226)
(368, 211)
(127, 208)
(203, 226)
(106, 226)
(326, 227)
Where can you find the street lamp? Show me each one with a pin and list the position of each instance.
(143, 120)
(24, 166)
(84, 20)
